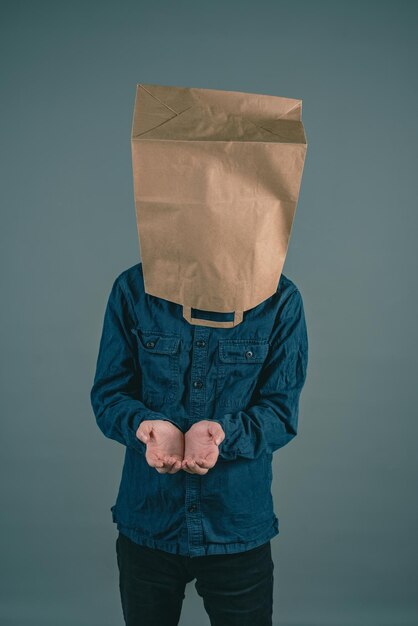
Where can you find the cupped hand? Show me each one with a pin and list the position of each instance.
(201, 443)
(165, 445)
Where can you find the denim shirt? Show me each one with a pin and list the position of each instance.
(153, 364)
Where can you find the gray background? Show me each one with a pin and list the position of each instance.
(345, 489)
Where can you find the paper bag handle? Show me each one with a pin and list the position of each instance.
(187, 314)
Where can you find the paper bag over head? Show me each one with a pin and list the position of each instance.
(216, 176)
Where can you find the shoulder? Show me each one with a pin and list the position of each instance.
(289, 295)
(131, 279)
(286, 284)
(287, 287)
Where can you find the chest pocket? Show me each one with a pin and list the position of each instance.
(158, 356)
(240, 362)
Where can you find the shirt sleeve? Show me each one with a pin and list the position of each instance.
(115, 395)
(271, 419)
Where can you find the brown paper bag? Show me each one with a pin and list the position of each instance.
(216, 182)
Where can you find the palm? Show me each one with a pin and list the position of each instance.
(165, 447)
(200, 447)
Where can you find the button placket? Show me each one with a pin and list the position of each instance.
(198, 374)
(197, 408)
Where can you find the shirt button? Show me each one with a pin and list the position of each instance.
(192, 508)
(150, 344)
(197, 384)
(249, 354)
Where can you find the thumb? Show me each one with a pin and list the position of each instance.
(217, 432)
(144, 431)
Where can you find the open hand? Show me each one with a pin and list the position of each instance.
(201, 443)
(165, 445)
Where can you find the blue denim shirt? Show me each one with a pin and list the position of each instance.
(153, 364)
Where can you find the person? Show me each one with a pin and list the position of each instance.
(200, 411)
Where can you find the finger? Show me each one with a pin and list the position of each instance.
(198, 462)
(187, 464)
(177, 465)
(172, 460)
(200, 470)
(194, 467)
(163, 467)
(200, 466)
(171, 463)
(185, 467)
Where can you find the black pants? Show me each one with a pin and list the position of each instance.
(237, 589)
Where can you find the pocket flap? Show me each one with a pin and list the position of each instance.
(243, 350)
(159, 343)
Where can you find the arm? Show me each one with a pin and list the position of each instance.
(270, 422)
(115, 393)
